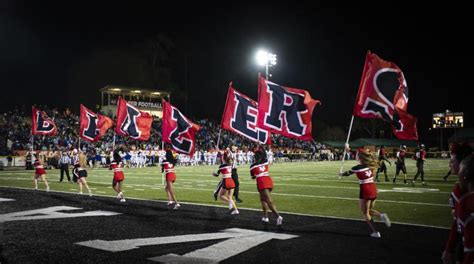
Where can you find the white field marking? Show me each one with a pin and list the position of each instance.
(245, 208)
(277, 178)
(139, 189)
(73, 189)
(50, 213)
(411, 190)
(329, 197)
(99, 192)
(236, 241)
(188, 187)
(6, 200)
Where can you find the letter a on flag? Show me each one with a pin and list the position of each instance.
(132, 122)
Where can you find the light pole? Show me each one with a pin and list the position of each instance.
(266, 59)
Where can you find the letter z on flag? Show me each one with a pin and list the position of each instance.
(284, 110)
(93, 126)
(132, 122)
(383, 94)
(240, 116)
(41, 124)
(178, 130)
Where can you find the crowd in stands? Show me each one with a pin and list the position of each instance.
(15, 135)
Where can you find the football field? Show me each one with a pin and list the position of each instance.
(308, 188)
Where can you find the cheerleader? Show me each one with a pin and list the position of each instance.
(228, 184)
(119, 176)
(80, 175)
(167, 166)
(40, 173)
(368, 190)
(259, 171)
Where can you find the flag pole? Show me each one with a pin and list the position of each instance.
(162, 149)
(113, 144)
(219, 139)
(352, 118)
(346, 144)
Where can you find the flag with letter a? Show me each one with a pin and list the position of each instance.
(132, 122)
(383, 94)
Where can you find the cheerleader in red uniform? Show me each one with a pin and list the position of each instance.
(40, 173)
(259, 171)
(368, 190)
(454, 250)
(80, 174)
(119, 176)
(167, 166)
(466, 208)
(228, 184)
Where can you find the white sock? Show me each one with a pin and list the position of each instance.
(230, 205)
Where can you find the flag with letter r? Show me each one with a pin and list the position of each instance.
(284, 110)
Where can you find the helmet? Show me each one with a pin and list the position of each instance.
(422, 146)
(403, 147)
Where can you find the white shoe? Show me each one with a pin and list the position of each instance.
(376, 235)
(265, 219)
(176, 206)
(47, 189)
(279, 220)
(234, 212)
(170, 203)
(386, 220)
(122, 200)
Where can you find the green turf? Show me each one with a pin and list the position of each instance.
(300, 187)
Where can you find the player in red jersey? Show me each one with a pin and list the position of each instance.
(119, 176)
(259, 171)
(368, 190)
(80, 174)
(40, 173)
(454, 250)
(227, 190)
(167, 166)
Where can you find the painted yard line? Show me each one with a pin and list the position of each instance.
(139, 189)
(249, 209)
(294, 195)
(328, 197)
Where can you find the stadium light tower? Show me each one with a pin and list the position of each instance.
(266, 59)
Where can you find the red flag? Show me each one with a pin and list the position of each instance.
(284, 110)
(132, 122)
(240, 116)
(93, 126)
(178, 130)
(41, 124)
(383, 94)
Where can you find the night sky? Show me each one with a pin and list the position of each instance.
(60, 54)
